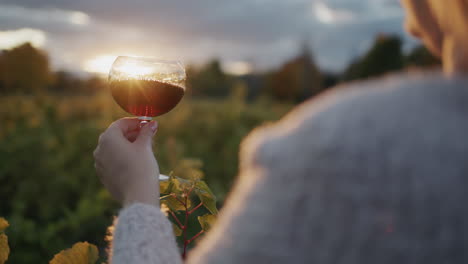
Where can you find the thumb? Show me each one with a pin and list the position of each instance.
(146, 133)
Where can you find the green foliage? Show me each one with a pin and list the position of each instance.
(172, 203)
(206, 196)
(207, 221)
(178, 189)
(178, 195)
(4, 248)
(48, 187)
(53, 198)
(176, 229)
(80, 253)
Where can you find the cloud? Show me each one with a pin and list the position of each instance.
(262, 32)
(353, 11)
(13, 38)
(42, 16)
(237, 67)
(327, 15)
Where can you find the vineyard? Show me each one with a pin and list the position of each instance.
(48, 189)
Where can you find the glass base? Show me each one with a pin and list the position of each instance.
(144, 120)
(163, 177)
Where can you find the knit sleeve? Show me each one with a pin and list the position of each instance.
(143, 235)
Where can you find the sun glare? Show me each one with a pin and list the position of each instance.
(12, 38)
(100, 64)
(134, 69)
(103, 63)
(237, 67)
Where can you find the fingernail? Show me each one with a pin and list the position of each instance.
(154, 126)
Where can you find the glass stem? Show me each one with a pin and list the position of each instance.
(144, 120)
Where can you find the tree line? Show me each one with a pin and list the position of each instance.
(26, 70)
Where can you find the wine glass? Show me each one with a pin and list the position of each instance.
(147, 87)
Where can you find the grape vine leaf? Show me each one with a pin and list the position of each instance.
(80, 253)
(4, 248)
(206, 196)
(173, 204)
(207, 221)
(177, 230)
(174, 185)
(181, 184)
(3, 224)
(163, 186)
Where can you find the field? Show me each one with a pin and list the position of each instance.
(48, 189)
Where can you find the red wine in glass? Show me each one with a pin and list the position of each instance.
(146, 97)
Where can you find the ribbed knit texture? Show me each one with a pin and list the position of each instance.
(143, 235)
(372, 172)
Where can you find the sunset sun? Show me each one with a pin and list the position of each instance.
(133, 69)
(99, 64)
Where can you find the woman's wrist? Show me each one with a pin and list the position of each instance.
(140, 198)
(145, 193)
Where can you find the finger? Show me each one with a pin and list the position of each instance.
(125, 125)
(132, 135)
(146, 133)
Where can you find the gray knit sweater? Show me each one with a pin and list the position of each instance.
(372, 172)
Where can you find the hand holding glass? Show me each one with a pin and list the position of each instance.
(147, 87)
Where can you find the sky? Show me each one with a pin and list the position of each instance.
(86, 35)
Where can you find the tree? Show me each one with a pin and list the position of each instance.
(68, 83)
(24, 69)
(330, 79)
(209, 80)
(296, 80)
(384, 56)
(64, 82)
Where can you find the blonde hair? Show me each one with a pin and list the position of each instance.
(444, 28)
(452, 15)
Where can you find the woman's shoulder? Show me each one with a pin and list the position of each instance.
(392, 93)
(362, 109)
